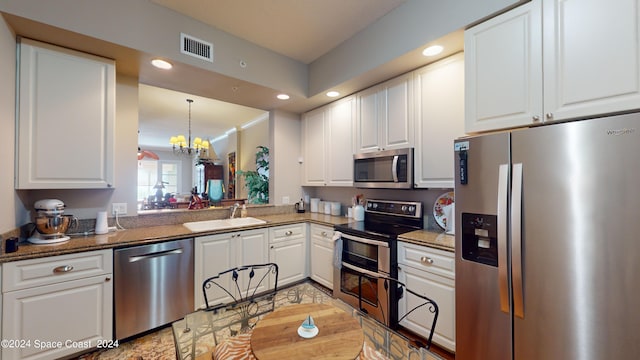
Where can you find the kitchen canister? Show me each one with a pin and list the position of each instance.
(327, 208)
(335, 208)
(315, 203)
(101, 223)
(358, 213)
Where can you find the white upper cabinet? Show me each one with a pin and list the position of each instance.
(313, 137)
(503, 70)
(328, 137)
(591, 57)
(439, 120)
(385, 116)
(65, 119)
(551, 60)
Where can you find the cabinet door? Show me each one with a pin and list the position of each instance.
(371, 108)
(253, 249)
(340, 138)
(66, 119)
(75, 314)
(291, 257)
(313, 135)
(442, 291)
(439, 120)
(212, 255)
(503, 70)
(591, 57)
(397, 118)
(321, 255)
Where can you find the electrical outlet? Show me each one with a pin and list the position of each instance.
(119, 208)
(285, 200)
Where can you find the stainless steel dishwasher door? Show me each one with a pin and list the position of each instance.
(153, 286)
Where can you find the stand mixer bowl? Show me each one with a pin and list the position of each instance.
(50, 221)
(53, 226)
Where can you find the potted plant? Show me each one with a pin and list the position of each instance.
(257, 181)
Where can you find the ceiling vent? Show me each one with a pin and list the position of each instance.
(195, 47)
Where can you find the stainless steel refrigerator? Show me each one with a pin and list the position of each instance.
(548, 242)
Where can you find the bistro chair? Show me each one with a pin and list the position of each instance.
(415, 302)
(244, 294)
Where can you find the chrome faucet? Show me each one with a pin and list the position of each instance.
(233, 210)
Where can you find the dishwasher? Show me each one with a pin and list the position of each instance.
(153, 286)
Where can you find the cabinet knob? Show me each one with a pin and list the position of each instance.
(288, 233)
(426, 260)
(63, 269)
(272, 247)
(108, 278)
(324, 234)
(536, 118)
(549, 116)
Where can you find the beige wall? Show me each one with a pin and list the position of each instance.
(11, 204)
(285, 165)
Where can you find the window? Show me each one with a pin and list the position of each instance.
(152, 172)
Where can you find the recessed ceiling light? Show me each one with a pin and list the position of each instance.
(333, 93)
(161, 64)
(283, 96)
(432, 50)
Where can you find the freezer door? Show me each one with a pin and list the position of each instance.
(483, 329)
(580, 232)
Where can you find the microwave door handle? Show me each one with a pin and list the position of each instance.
(394, 168)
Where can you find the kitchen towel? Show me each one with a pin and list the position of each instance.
(337, 249)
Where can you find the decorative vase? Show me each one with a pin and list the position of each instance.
(215, 190)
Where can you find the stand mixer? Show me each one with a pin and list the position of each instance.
(51, 223)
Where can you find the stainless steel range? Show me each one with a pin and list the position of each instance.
(369, 249)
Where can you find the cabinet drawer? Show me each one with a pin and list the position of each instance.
(321, 232)
(428, 259)
(50, 270)
(287, 232)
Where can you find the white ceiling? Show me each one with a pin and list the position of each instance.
(301, 29)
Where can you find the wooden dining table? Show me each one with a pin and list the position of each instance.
(275, 337)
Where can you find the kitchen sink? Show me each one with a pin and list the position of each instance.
(209, 225)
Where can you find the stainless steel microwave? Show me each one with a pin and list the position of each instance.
(388, 169)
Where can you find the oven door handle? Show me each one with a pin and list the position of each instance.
(365, 241)
(361, 270)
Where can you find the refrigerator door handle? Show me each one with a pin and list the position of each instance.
(503, 268)
(516, 241)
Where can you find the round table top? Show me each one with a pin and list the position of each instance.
(276, 335)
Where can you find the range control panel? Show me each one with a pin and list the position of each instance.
(401, 208)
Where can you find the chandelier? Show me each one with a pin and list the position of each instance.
(182, 146)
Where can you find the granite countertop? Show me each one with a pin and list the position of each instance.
(438, 240)
(158, 233)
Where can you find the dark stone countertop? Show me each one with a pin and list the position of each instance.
(158, 233)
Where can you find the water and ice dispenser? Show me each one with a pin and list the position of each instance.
(480, 238)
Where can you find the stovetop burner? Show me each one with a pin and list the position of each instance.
(387, 219)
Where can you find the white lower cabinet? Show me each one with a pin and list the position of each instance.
(288, 249)
(321, 254)
(430, 272)
(216, 253)
(57, 306)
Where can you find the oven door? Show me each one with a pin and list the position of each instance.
(374, 299)
(368, 254)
